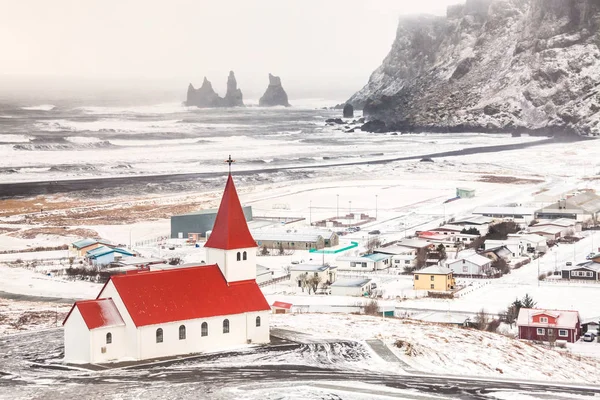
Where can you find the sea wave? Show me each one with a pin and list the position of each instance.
(10, 138)
(41, 107)
(110, 125)
(164, 108)
(60, 145)
(72, 168)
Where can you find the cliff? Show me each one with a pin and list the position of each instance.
(205, 96)
(274, 95)
(491, 66)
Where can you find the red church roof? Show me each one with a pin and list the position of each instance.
(230, 230)
(99, 313)
(185, 293)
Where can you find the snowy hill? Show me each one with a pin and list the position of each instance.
(492, 66)
(440, 349)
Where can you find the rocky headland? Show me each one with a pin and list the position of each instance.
(205, 96)
(274, 95)
(517, 66)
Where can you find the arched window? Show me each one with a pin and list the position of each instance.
(257, 321)
(226, 326)
(182, 332)
(108, 338)
(159, 335)
(245, 256)
(239, 256)
(204, 329)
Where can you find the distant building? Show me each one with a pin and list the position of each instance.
(138, 262)
(80, 247)
(479, 222)
(370, 262)
(582, 207)
(295, 239)
(281, 307)
(517, 214)
(434, 278)
(465, 193)
(513, 245)
(531, 242)
(325, 272)
(586, 271)
(549, 325)
(352, 287)
(197, 223)
(496, 253)
(263, 274)
(471, 265)
(103, 256)
(402, 256)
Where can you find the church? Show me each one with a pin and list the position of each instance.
(150, 314)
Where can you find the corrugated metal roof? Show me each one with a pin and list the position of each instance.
(377, 257)
(434, 270)
(84, 243)
(260, 236)
(503, 210)
(309, 267)
(103, 250)
(360, 282)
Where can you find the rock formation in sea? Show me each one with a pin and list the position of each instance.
(274, 95)
(205, 96)
(233, 97)
(348, 111)
(491, 66)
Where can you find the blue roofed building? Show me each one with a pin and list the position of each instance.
(104, 255)
(80, 248)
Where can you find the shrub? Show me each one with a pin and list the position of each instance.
(493, 325)
(371, 308)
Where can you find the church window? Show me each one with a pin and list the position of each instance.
(239, 256)
(182, 332)
(244, 256)
(226, 326)
(204, 329)
(257, 322)
(159, 335)
(108, 338)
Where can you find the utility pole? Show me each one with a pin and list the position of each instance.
(310, 212)
(350, 207)
(538, 278)
(337, 206)
(375, 206)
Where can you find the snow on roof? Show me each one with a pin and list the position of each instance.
(564, 222)
(528, 237)
(504, 210)
(230, 230)
(565, 319)
(434, 270)
(395, 250)
(550, 229)
(474, 258)
(586, 201)
(310, 267)
(84, 243)
(139, 260)
(99, 313)
(359, 282)
(281, 304)
(449, 227)
(286, 236)
(377, 257)
(414, 243)
(590, 265)
(180, 294)
(474, 220)
(103, 250)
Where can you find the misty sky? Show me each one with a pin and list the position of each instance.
(325, 47)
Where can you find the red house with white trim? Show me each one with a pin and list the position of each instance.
(149, 314)
(549, 325)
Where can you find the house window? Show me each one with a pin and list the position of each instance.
(396, 261)
(244, 256)
(563, 333)
(406, 261)
(432, 278)
(544, 320)
(239, 256)
(108, 338)
(257, 322)
(182, 332)
(226, 326)
(550, 331)
(353, 264)
(204, 329)
(159, 335)
(364, 265)
(432, 286)
(589, 274)
(465, 269)
(541, 331)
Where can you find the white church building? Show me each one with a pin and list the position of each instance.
(149, 314)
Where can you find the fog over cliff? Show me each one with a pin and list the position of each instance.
(492, 65)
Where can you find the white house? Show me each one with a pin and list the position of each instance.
(479, 222)
(532, 243)
(512, 245)
(351, 287)
(149, 314)
(369, 262)
(471, 265)
(325, 272)
(402, 256)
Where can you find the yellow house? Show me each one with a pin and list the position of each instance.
(433, 278)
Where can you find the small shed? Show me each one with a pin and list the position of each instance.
(465, 193)
(280, 307)
(351, 287)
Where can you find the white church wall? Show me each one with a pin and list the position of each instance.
(194, 341)
(232, 269)
(77, 339)
(112, 351)
(131, 345)
(261, 333)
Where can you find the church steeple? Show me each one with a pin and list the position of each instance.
(230, 244)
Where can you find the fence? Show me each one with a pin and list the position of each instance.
(275, 280)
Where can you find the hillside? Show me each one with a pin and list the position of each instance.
(492, 66)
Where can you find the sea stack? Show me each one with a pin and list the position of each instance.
(233, 97)
(275, 95)
(205, 96)
(348, 111)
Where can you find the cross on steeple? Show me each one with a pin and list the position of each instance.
(229, 161)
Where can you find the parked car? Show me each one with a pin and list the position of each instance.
(569, 263)
(589, 337)
(375, 232)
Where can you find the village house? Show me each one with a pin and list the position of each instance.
(513, 245)
(436, 239)
(325, 272)
(532, 243)
(498, 253)
(549, 325)
(295, 239)
(479, 222)
(585, 271)
(549, 232)
(433, 278)
(352, 287)
(80, 247)
(103, 256)
(582, 207)
(568, 226)
(471, 265)
(164, 313)
(402, 256)
(517, 214)
(368, 262)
